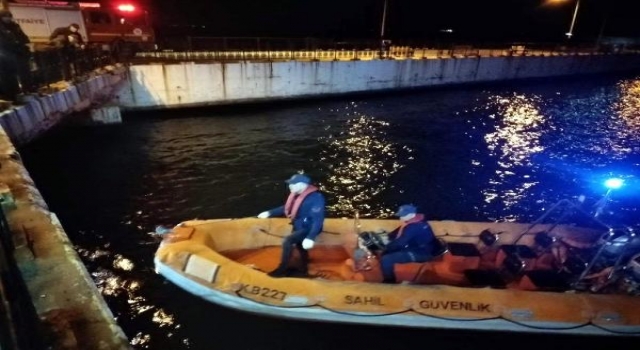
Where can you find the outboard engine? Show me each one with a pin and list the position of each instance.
(623, 245)
(608, 268)
(631, 280)
(617, 247)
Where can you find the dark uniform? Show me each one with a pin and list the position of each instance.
(306, 211)
(62, 35)
(15, 72)
(414, 241)
(67, 42)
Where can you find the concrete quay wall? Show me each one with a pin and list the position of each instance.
(38, 114)
(72, 312)
(171, 85)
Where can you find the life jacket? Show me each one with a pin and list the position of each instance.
(417, 218)
(295, 200)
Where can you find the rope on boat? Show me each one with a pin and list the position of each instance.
(412, 310)
(266, 232)
(270, 234)
(447, 234)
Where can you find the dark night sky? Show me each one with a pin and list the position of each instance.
(480, 20)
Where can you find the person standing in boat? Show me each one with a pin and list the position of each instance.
(305, 206)
(412, 241)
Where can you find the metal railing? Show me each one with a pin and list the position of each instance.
(44, 66)
(53, 65)
(394, 52)
(275, 49)
(207, 43)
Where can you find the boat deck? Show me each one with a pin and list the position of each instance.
(460, 265)
(325, 261)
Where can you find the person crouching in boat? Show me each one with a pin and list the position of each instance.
(413, 241)
(305, 206)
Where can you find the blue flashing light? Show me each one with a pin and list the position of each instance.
(613, 183)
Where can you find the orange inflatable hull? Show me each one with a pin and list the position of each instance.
(225, 262)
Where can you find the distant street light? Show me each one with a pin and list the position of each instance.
(573, 20)
(384, 44)
(384, 20)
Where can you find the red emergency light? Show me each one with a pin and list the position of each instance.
(126, 8)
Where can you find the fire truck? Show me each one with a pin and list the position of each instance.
(104, 24)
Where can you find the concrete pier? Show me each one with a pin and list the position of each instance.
(71, 310)
(40, 113)
(175, 85)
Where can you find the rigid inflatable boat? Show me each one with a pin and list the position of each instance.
(535, 277)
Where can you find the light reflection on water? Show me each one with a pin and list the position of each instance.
(627, 109)
(470, 154)
(360, 160)
(518, 127)
(111, 284)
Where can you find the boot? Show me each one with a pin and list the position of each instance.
(301, 272)
(280, 271)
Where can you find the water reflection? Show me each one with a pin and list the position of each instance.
(596, 130)
(360, 159)
(516, 137)
(591, 138)
(162, 318)
(140, 340)
(122, 263)
(118, 286)
(626, 109)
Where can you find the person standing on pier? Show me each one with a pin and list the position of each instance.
(67, 36)
(68, 42)
(305, 206)
(15, 55)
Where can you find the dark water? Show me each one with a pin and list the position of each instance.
(470, 153)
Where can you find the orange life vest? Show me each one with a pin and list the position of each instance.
(294, 201)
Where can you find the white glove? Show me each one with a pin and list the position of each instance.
(307, 244)
(263, 215)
